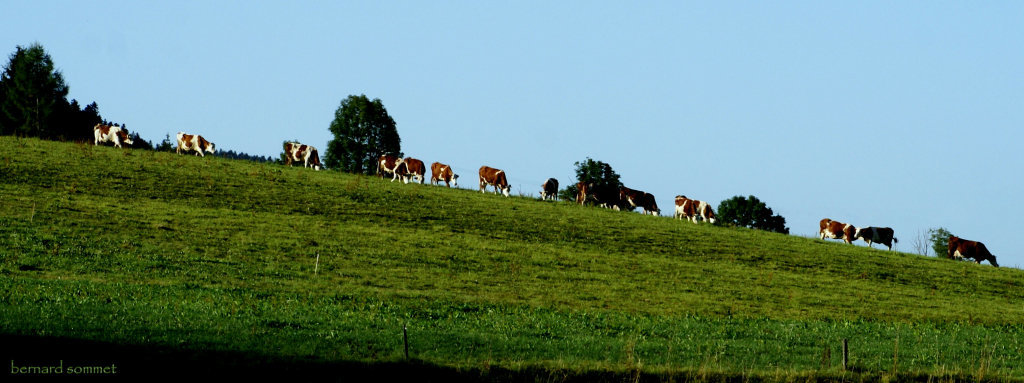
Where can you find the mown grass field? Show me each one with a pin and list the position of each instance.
(166, 264)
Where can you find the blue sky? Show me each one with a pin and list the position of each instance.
(877, 113)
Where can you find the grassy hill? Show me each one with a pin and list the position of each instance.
(164, 264)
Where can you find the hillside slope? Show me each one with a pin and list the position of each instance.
(143, 248)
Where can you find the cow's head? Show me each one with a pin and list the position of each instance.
(123, 135)
(505, 190)
(455, 179)
(209, 148)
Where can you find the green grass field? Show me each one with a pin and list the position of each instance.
(165, 264)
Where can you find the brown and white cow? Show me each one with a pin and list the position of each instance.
(549, 190)
(494, 177)
(441, 172)
(581, 192)
(872, 235)
(194, 142)
(836, 230)
(111, 133)
(391, 165)
(706, 212)
(295, 151)
(962, 248)
(414, 169)
(637, 198)
(691, 209)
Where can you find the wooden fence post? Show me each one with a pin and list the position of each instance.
(846, 355)
(405, 339)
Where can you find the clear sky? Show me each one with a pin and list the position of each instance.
(906, 114)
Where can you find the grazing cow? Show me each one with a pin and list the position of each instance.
(441, 172)
(637, 198)
(110, 133)
(690, 209)
(414, 169)
(609, 196)
(962, 248)
(836, 230)
(194, 142)
(494, 177)
(872, 235)
(706, 212)
(549, 189)
(685, 209)
(393, 165)
(581, 192)
(295, 151)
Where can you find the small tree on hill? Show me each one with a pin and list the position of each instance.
(167, 145)
(940, 241)
(363, 131)
(751, 212)
(597, 173)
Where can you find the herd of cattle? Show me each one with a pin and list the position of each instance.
(621, 198)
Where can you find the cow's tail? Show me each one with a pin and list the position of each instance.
(895, 240)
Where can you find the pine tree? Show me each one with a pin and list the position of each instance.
(34, 94)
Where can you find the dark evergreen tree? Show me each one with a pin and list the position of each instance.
(363, 131)
(167, 145)
(34, 95)
(750, 212)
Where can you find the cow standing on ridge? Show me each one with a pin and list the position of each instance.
(690, 209)
(872, 235)
(637, 198)
(962, 248)
(415, 169)
(549, 190)
(836, 230)
(391, 165)
(194, 142)
(494, 177)
(110, 133)
(441, 172)
(295, 152)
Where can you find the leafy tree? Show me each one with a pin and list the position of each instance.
(33, 94)
(596, 173)
(939, 238)
(363, 131)
(751, 212)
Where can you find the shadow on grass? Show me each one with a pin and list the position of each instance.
(35, 358)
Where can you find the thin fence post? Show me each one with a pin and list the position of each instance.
(405, 339)
(846, 355)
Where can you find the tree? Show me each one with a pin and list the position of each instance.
(363, 131)
(166, 145)
(596, 173)
(34, 93)
(751, 212)
(940, 241)
(74, 123)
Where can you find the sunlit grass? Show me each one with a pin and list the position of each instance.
(146, 248)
